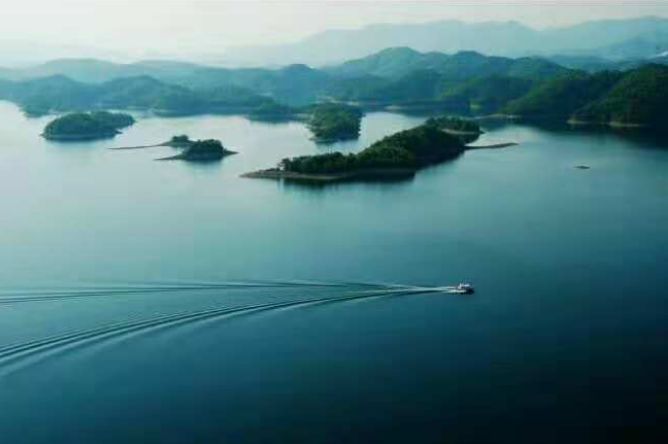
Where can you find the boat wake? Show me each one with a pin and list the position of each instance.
(16, 356)
(17, 296)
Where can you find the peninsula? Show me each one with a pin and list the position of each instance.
(87, 126)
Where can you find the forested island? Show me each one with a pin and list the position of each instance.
(400, 154)
(198, 151)
(87, 126)
(181, 141)
(330, 122)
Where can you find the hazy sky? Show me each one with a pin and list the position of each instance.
(208, 26)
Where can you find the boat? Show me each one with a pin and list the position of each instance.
(463, 288)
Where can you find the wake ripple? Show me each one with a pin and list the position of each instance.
(9, 297)
(17, 356)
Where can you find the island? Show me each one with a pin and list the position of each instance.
(200, 150)
(331, 122)
(181, 141)
(87, 126)
(398, 155)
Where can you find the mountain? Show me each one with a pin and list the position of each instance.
(18, 53)
(395, 74)
(399, 78)
(488, 94)
(397, 62)
(583, 62)
(60, 93)
(403, 76)
(640, 98)
(559, 98)
(294, 84)
(633, 98)
(90, 70)
(390, 63)
(54, 92)
(643, 47)
(595, 38)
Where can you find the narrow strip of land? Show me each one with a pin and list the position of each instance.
(492, 146)
(138, 147)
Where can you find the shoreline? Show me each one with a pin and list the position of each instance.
(368, 174)
(184, 156)
(137, 147)
(610, 124)
(462, 133)
(80, 137)
(276, 174)
(494, 146)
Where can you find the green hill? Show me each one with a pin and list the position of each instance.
(633, 98)
(640, 98)
(559, 98)
(61, 94)
(396, 78)
(394, 63)
(488, 94)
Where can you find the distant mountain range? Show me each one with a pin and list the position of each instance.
(391, 74)
(397, 62)
(609, 39)
(394, 78)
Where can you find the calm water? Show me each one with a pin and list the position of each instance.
(156, 302)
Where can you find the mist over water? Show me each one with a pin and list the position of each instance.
(143, 301)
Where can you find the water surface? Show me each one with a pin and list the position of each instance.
(146, 301)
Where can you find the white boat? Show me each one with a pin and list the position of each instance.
(463, 288)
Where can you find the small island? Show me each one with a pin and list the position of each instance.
(398, 155)
(181, 141)
(87, 126)
(331, 122)
(200, 150)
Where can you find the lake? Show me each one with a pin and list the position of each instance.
(168, 302)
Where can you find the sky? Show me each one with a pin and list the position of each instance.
(140, 28)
